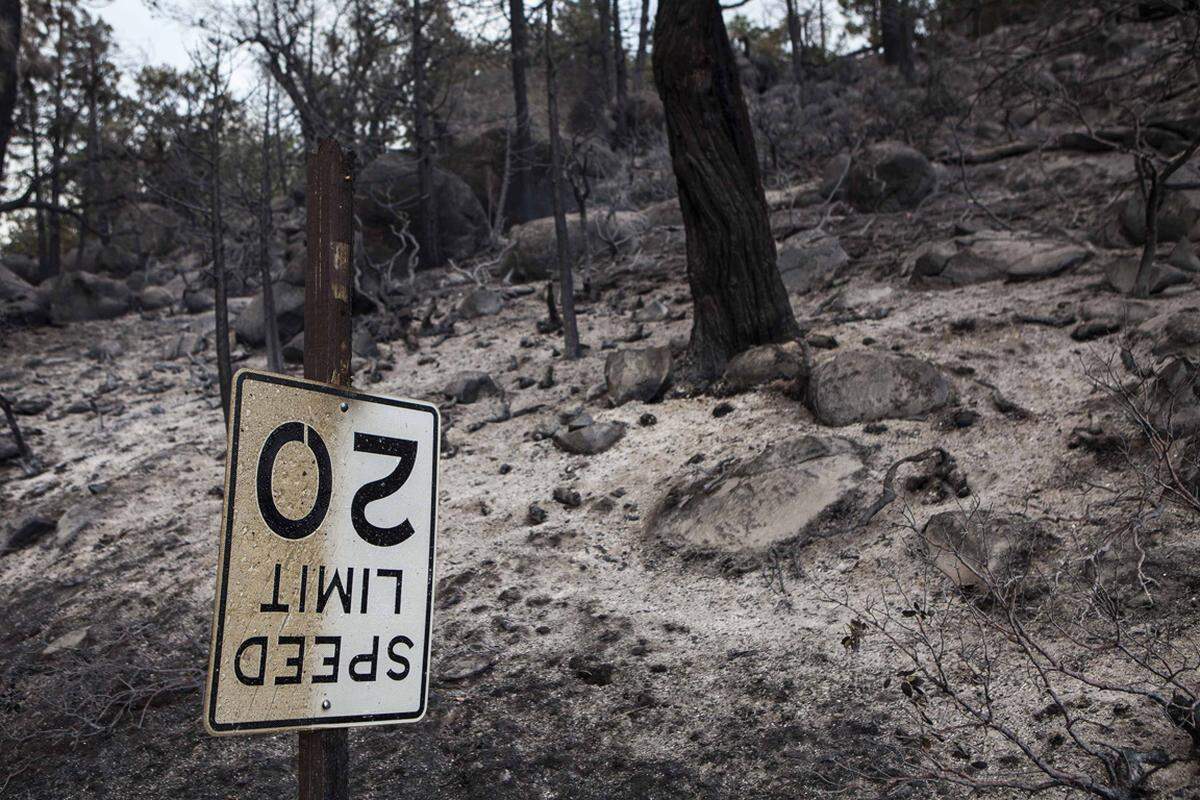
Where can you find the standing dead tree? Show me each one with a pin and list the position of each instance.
(738, 296)
(561, 235)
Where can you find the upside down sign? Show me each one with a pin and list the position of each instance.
(325, 571)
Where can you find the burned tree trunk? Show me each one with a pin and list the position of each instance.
(796, 39)
(639, 63)
(737, 294)
(217, 237)
(621, 80)
(10, 46)
(430, 255)
(895, 31)
(522, 144)
(561, 235)
(271, 323)
(603, 17)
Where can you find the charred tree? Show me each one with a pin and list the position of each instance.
(639, 62)
(738, 296)
(522, 143)
(217, 232)
(620, 77)
(896, 34)
(270, 322)
(430, 253)
(604, 19)
(796, 39)
(10, 46)
(561, 235)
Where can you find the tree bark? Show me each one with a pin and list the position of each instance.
(522, 147)
(271, 323)
(796, 39)
(217, 240)
(620, 76)
(431, 255)
(738, 296)
(561, 235)
(603, 14)
(10, 47)
(639, 64)
(895, 22)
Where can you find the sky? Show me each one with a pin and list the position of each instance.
(146, 37)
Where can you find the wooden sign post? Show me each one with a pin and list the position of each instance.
(324, 756)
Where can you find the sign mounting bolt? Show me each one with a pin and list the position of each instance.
(345, 406)
(325, 704)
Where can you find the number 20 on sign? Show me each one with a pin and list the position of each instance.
(326, 566)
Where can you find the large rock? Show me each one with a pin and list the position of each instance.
(468, 387)
(250, 325)
(589, 440)
(480, 302)
(795, 488)
(982, 551)
(27, 268)
(991, 255)
(1122, 273)
(869, 385)
(768, 362)
(534, 256)
(80, 296)
(889, 177)
(1176, 217)
(139, 231)
(637, 374)
(665, 213)
(26, 531)
(153, 298)
(480, 162)
(387, 197)
(810, 260)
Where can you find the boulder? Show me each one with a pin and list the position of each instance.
(1183, 256)
(250, 325)
(152, 298)
(26, 531)
(889, 177)
(983, 551)
(869, 385)
(664, 214)
(991, 255)
(480, 162)
(589, 440)
(27, 268)
(795, 488)
(534, 254)
(480, 302)
(637, 374)
(80, 296)
(386, 198)
(147, 228)
(1121, 275)
(1174, 333)
(810, 260)
(1176, 217)
(467, 387)
(293, 350)
(1172, 399)
(768, 362)
(198, 299)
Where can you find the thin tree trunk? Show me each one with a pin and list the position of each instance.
(522, 145)
(35, 154)
(603, 14)
(561, 235)
(216, 243)
(620, 75)
(895, 20)
(271, 323)
(431, 255)
(10, 46)
(797, 41)
(738, 296)
(639, 64)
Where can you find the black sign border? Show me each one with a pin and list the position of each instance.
(314, 723)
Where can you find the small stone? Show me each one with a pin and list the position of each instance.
(591, 671)
(29, 406)
(467, 387)
(722, 409)
(964, 418)
(655, 311)
(28, 531)
(568, 497)
(547, 379)
(1095, 329)
(647, 419)
(822, 341)
(591, 440)
(68, 641)
(637, 374)
(481, 302)
(505, 469)
(536, 515)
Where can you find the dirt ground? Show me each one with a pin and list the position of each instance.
(578, 657)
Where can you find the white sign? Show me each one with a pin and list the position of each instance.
(325, 574)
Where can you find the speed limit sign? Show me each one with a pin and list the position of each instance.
(326, 565)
